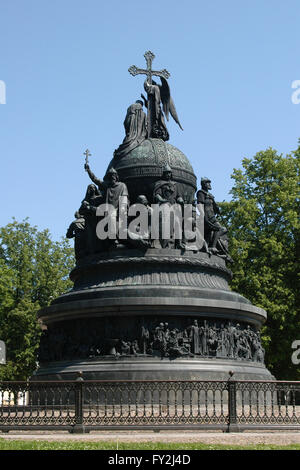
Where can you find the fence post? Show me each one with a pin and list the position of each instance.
(232, 405)
(79, 427)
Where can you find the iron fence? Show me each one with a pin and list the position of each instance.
(84, 405)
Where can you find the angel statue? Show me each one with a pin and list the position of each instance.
(157, 95)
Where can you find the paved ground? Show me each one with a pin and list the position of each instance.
(279, 438)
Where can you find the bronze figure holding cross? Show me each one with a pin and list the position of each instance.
(156, 95)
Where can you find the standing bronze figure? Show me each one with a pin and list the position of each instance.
(157, 95)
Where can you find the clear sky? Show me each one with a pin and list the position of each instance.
(65, 67)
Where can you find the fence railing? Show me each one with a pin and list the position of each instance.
(84, 405)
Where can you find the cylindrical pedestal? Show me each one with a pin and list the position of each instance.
(155, 315)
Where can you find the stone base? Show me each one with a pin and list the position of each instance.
(159, 315)
(143, 368)
(172, 372)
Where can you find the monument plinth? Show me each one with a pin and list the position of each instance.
(147, 307)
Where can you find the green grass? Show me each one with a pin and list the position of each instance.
(110, 445)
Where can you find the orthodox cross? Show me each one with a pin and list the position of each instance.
(133, 70)
(87, 155)
(149, 56)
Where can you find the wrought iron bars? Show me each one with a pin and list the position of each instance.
(83, 405)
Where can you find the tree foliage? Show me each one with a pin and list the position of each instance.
(264, 232)
(33, 271)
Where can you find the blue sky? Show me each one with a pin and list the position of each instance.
(65, 62)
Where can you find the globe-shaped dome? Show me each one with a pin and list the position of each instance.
(143, 166)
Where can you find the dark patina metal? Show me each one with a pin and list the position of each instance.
(144, 309)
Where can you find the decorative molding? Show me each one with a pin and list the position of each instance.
(164, 337)
(160, 260)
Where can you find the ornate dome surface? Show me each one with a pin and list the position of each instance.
(143, 166)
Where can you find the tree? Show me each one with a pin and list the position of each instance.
(264, 233)
(33, 271)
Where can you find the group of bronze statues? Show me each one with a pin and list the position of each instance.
(198, 339)
(159, 105)
(140, 126)
(206, 339)
(165, 192)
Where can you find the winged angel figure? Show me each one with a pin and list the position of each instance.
(157, 95)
